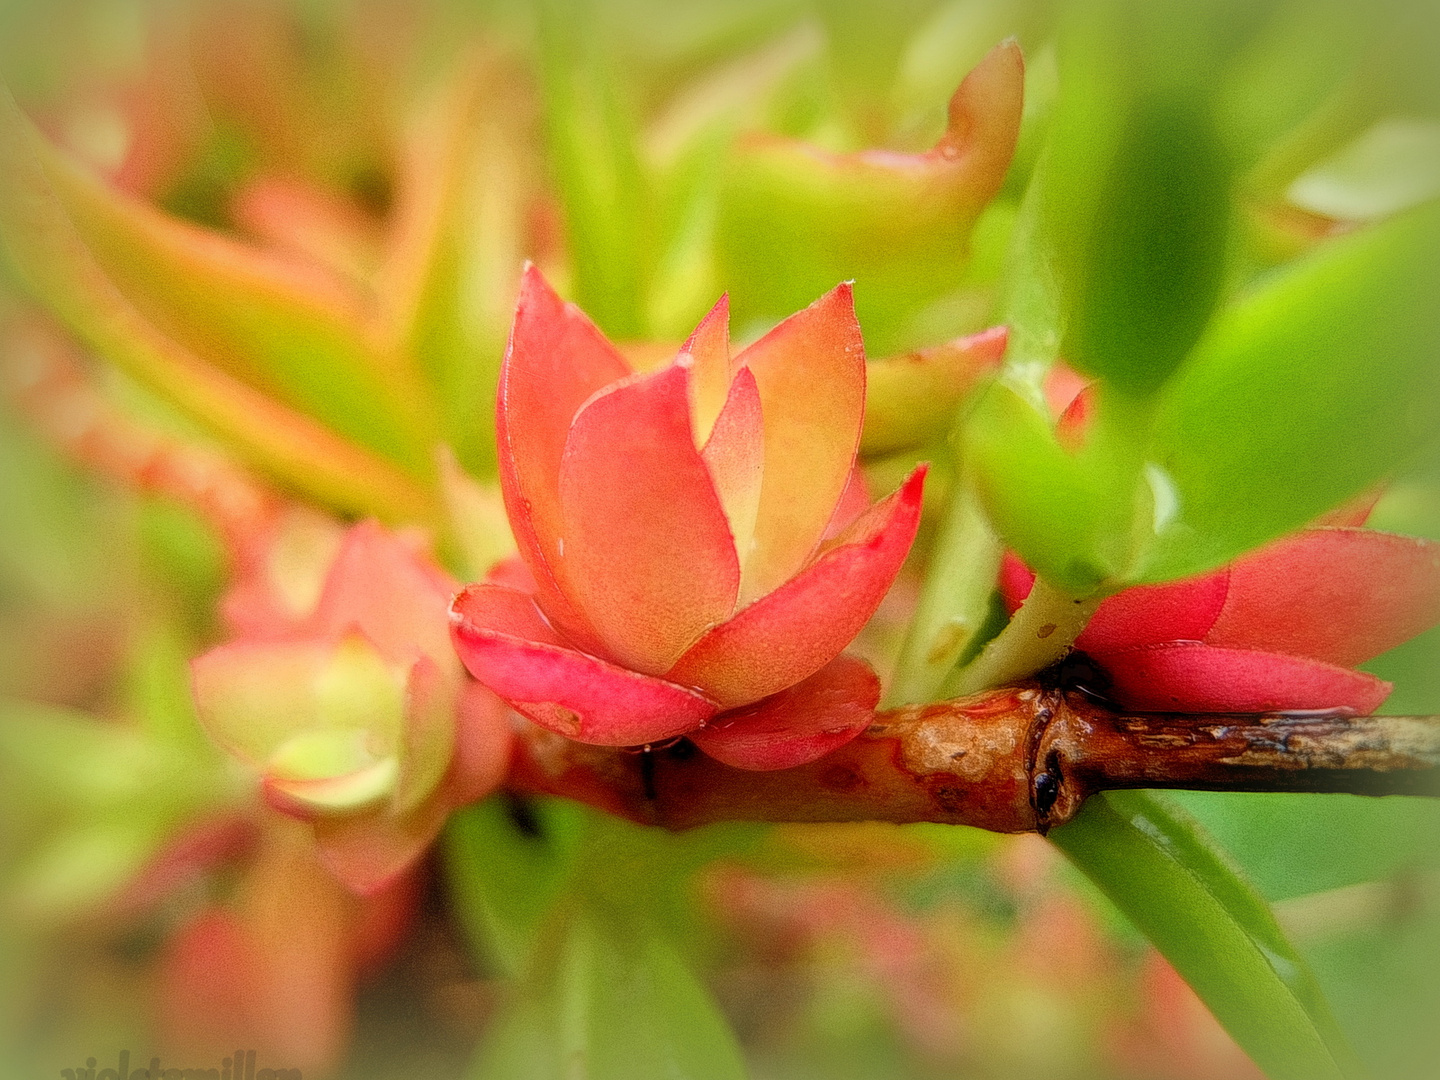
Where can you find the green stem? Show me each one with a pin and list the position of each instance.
(1042, 632)
(953, 602)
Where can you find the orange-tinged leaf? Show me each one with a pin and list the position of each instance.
(735, 456)
(379, 585)
(912, 398)
(53, 263)
(502, 639)
(811, 374)
(305, 222)
(648, 556)
(300, 699)
(1341, 595)
(427, 735)
(483, 741)
(556, 360)
(1190, 676)
(797, 725)
(367, 852)
(446, 289)
(286, 328)
(707, 354)
(795, 216)
(796, 630)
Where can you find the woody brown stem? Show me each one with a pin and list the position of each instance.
(1020, 759)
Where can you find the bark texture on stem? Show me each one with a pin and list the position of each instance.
(1019, 759)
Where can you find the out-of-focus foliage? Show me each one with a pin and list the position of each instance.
(280, 243)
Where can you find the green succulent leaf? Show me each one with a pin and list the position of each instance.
(447, 287)
(609, 1000)
(1136, 187)
(1044, 502)
(1321, 382)
(507, 862)
(1169, 879)
(593, 147)
(796, 217)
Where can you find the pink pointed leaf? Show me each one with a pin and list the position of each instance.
(854, 501)
(1150, 614)
(369, 851)
(1074, 423)
(735, 457)
(797, 725)
(1341, 595)
(507, 646)
(1063, 384)
(796, 630)
(984, 122)
(707, 354)
(811, 374)
(1192, 677)
(380, 586)
(483, 743)
(649, 559)
(1016, 581)
(555, 361)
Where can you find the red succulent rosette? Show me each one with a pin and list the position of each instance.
(1280, 629)
(690, 565)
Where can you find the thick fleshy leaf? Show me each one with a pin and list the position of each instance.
(55, 265)
(795, 217)
(254, 698)
(798, 725)
(1015, 581)
(1305, 393)
(385, 589)
(1136, 183)
(310, 797)
(555, 361)
(796, 630)
(368, 851)
(707, 354)
(811, 373)
(593, 149)
(1167, 876)
(446, 291)
(1192, 677)
(1148, 614)
(285, 328)
(483, 740)
(647, 550)
(911, 398)
(505, 643)
(854, 501)
(1044, 503)
(735, 456)
(1339, 595)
